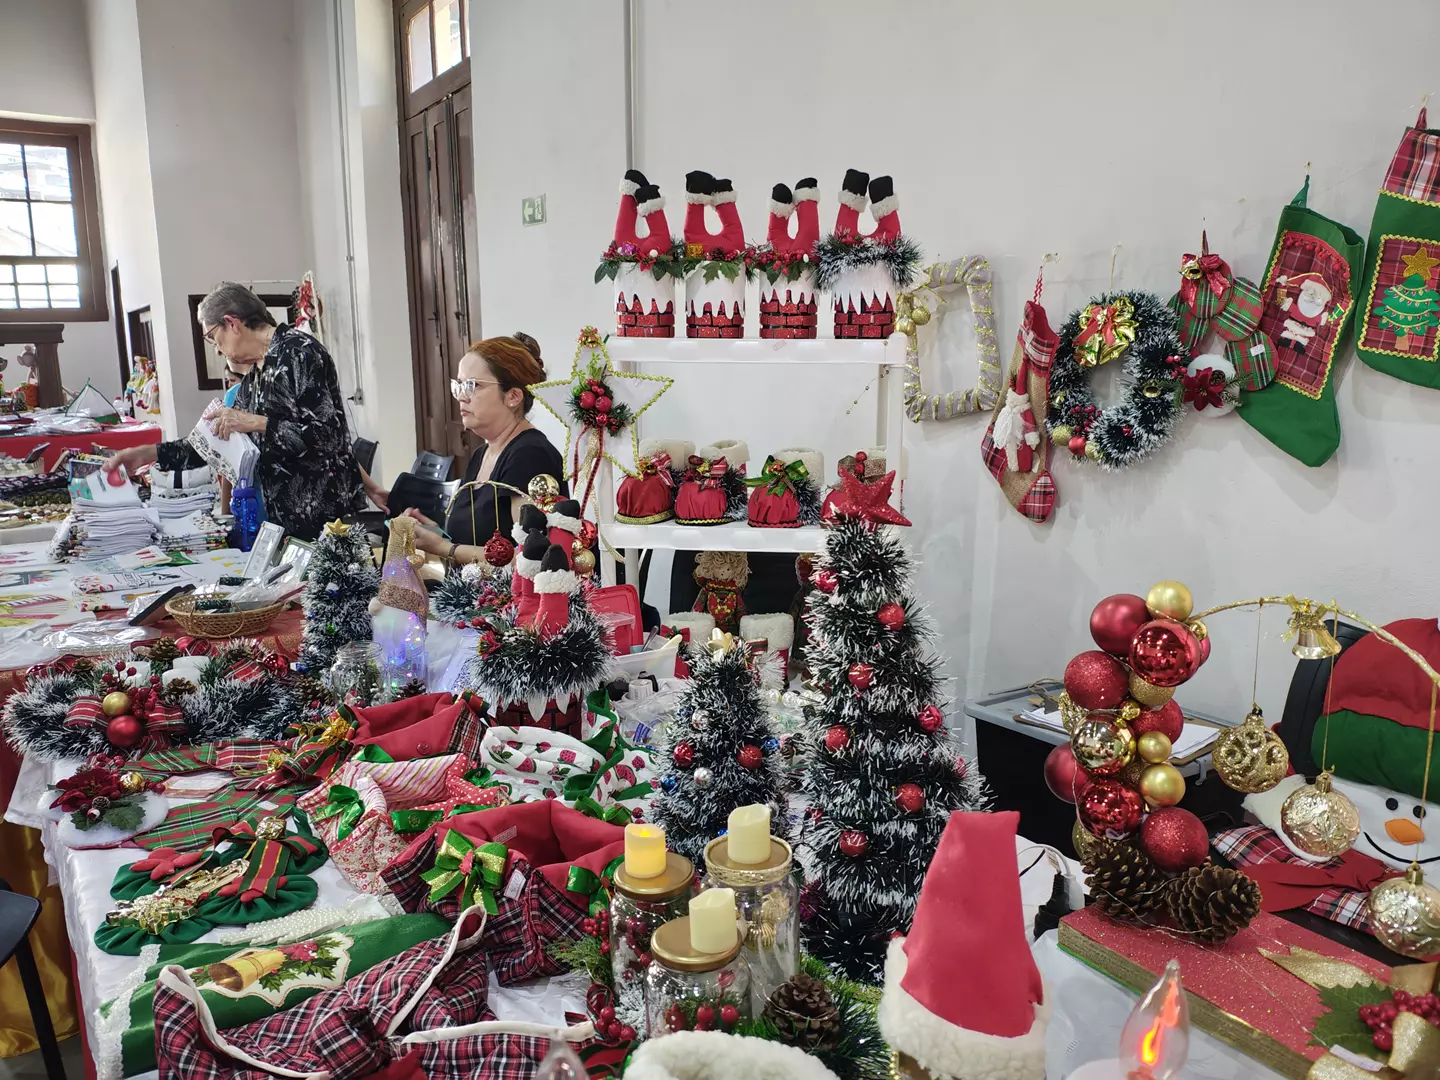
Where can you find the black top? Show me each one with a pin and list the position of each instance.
(307, 473)
(526, 456)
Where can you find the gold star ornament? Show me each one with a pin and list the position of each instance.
(1421, 263)
(337, 528)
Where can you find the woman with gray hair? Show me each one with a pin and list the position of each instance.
(289, 403)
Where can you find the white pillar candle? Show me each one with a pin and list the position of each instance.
(712, 921)
(748, 834)
(644, 850)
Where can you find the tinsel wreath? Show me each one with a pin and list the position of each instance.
(841, 253)
(1141, 421)
(465, 596)
(523, 666)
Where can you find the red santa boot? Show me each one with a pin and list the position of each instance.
(782, 205)
(852, 201)
(629, 207)
(554, 582)
(699, 193)
(529, 519)
(563, 526)
(731, 237)
(885, 209)
(807, 212)
(522, 581)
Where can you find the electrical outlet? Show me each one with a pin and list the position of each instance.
(532, 210)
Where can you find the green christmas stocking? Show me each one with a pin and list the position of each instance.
(1309, 291)
(1398, 326)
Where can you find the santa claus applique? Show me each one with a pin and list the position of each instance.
(1016, 432)
(1308, 305)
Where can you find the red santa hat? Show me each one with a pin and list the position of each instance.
(991, 1023)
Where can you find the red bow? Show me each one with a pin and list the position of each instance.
(1292, 885)
(1203, 389)
(1210, 268)
(657, 465)
(707, 473)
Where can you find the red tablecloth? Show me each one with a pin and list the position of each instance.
(116, 438)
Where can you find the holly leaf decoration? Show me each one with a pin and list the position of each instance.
(658, 271)
(601, 272)
(1342, 1026)
(711, 271)
(730, 270)
(125, 816)
(772, 275)
(200, 975)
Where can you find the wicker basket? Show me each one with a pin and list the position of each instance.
(220, 624)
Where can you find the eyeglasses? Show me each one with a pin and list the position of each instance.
(464, 389)
(212, 332)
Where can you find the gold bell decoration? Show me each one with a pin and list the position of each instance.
(1319, 820)
(1313, 640)
(1101, 747)
(1405, 914)
(1250, 757)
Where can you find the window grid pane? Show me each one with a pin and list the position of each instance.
(417, 35)
(15, 229)
(54, 225)
(30, 273)
(7, 296)
(447, 34)
(47, 170)
(12, 171)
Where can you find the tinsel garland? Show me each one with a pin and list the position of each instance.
(841, 253)
(807, 495)
(458, 596)
(1142, 420)
(524, 666)
(737, 495)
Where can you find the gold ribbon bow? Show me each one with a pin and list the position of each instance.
(476, 871)
(1107, 330)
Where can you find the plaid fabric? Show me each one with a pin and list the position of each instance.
(1254, 360)
(1254, 845)
(1415, 169)
(343, 1031)
(1305, 368)
(1242, 314)
(488, 1054)
(1191, 327)
(191, 826)
(85, 712)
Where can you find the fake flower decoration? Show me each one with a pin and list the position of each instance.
(1205, 388)
(764, 261)
(77, 792)
(667, 263)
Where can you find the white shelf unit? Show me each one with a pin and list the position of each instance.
(630, 353)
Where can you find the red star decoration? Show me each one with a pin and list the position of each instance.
(868, 502)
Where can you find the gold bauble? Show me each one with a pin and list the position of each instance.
(1405, 914)
(1162, 785)
(1151, 389)
(1148, 694)
(1319, 820)
(1071, 715)
(1153, 746)
(1087, 844)
(904, 324)
(1060, 435)
(1092, 450)
(904, 303)
(1129, 711)
(921, 315)
(132, 783)
(1170, 600)
(116, 703)
(1250, 757)
(584, 561)
(1199, 629)
(543, 490)
(1101, 747)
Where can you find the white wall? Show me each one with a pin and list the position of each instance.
(45, 74)
(1012, 129)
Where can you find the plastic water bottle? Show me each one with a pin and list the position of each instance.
(245, 505)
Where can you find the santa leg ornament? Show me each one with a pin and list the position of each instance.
(522, 581)
(554, 582)
(644, 305)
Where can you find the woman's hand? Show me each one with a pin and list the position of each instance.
(226, 422)
(130, 459)
(429, 523)
(380, 496)
(431, 542)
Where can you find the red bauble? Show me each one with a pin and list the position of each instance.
(1167, 719)
(499, 551)
(1164, 653)
(911, 797)
(930, 719)
(587, 399)
(1077, 445)
(891, 616)
(125, 731)
(603, 403)
(861, 675)
(1114, 621)
(1096, 680)
(825, 580)
(684, 755)
(1175, 839)
(1109, 807)
(1064, 776)
(750, 756)
(854, 843)
(729, 1016)
(837, 738)
(1204, 649)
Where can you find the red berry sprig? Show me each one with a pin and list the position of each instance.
(1380, 1019)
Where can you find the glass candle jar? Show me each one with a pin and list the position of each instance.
(638, 907)
(686, 990)
(356, 672)
(767, 900)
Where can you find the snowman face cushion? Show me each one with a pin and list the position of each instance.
(1391, 824)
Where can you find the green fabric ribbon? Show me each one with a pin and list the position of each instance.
(615, 814)
(413, 821)
(374, 755)
(475, 871)
(481, 777)
(588, 883)
(344, 802)
(779, 477)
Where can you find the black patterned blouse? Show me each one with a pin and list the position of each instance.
(307, 472)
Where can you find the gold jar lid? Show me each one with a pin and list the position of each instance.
(726, 871)
(670, 945)
(678, 875)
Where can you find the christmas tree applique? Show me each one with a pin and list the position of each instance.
(1409, 310)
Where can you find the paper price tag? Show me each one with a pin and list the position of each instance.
(515, 886)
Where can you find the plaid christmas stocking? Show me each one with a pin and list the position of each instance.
(1400, 324)
(1015, 446)
(1309, 291)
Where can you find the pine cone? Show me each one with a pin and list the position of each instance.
(163, 651)
(801, 1008)
(413, 688)
(308, 689)
(1124, 884)
(1213, 903)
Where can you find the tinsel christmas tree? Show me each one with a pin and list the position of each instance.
(719, 752)
(342, 581)
(883, 773)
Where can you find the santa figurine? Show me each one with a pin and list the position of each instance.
(1306, 311)
(1016, 432)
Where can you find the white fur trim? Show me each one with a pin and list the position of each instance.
(947, 1049)
(699, 198)
(1010, 426)
(736, 451)
(153, 809)
(854, 202)
(814, 460)
(650, 206)
(720, 198)
(628, 187)
(699, 623)
(715, 1055)
(778, 630)
(887, 205)
(526, 568)
(556, 581)
(516, 533)
(562, 521)
(807, 194)
(781, 209)
(678, 449)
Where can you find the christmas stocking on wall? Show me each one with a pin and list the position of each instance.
(1400, 324)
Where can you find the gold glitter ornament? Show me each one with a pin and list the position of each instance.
(1071, 715)
(584, 561)
(1092, 450)
(1101, 747)
(921, 315)
(1060, 435)
(1087, 845)
(1405, 914)
(1250, 757)
(904, 324)
(1319, 820)
(1148, 694)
